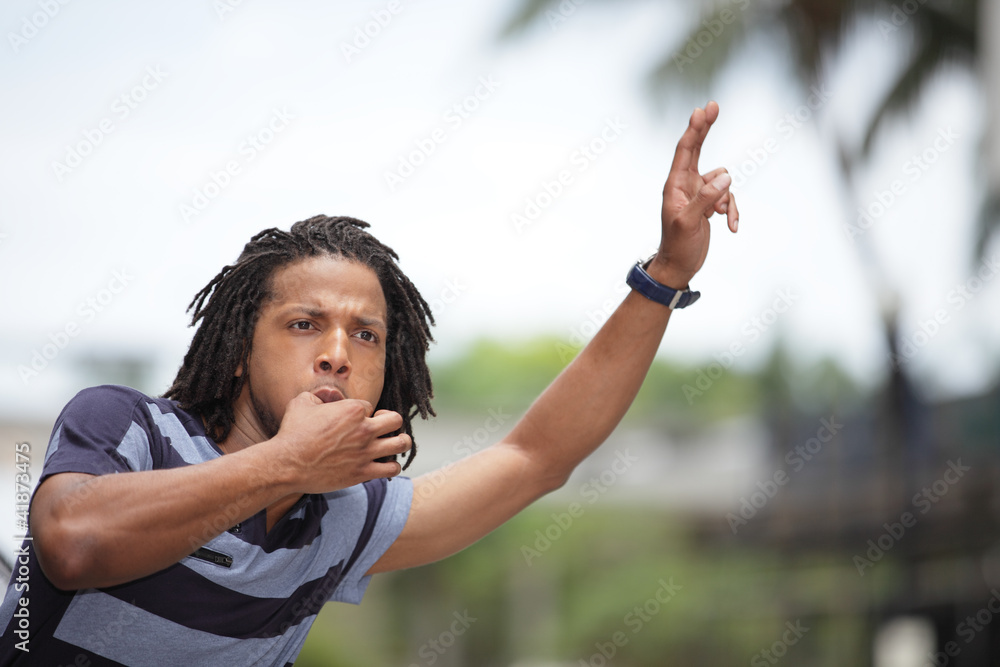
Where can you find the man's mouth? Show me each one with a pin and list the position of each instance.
(328, 394)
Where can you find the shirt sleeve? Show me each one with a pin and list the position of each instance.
(99, 432)
(388, 508)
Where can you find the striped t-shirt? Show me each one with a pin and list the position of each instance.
(248, 597)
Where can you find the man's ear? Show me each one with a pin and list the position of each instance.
(238, 373)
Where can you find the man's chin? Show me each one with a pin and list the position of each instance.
(269, 423)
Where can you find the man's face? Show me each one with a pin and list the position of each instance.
(324, 331)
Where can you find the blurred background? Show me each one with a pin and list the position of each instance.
(810, 474)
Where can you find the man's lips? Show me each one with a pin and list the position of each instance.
(328, 394)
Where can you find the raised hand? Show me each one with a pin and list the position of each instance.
(689, 199)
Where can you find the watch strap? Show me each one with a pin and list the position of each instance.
(644, 284)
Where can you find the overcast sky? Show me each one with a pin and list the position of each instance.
(143, 144)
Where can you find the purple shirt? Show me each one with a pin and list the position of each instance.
(248, 597)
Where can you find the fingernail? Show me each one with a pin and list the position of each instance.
(736, 225)
(722, 181)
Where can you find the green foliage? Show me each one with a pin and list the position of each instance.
(635, 574)
(492, 373)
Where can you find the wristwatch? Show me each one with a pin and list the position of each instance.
(642, 283)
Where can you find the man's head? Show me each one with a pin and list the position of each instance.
(292, 279)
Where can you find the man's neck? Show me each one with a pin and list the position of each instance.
(246, 430)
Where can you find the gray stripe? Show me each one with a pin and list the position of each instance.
(279, 573)
(392, 518)
(53, 445)
(193, 449)
(120, 631)
(134, 448)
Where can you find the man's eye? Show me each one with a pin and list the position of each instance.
(368, 336)
(302, 326)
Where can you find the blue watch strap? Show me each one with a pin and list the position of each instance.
(642, 283)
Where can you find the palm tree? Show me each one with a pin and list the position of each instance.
(814, 33)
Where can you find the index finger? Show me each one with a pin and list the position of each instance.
(689, 146)
(387, 421)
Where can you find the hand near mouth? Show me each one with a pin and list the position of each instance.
(328, 394)
(335, 442)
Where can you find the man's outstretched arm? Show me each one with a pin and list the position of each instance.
(454, 508)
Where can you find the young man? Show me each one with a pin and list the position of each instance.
(209, 526)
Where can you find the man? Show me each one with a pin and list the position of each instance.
(209, 526)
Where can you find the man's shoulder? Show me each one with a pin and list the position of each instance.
(109, 393)
(113, 402)
(106, 398)
(138, 431)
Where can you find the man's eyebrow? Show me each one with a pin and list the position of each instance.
(300, 309)
(371, 322)
(312, 311)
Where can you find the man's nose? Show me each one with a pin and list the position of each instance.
(334, 354)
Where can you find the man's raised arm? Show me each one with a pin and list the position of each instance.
(578, 411)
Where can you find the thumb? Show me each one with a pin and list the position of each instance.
(710, 193)
(309, 397)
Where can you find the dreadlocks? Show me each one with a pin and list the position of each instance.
(229, 307)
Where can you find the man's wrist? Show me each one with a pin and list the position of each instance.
(272, 468)
(668, 274)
